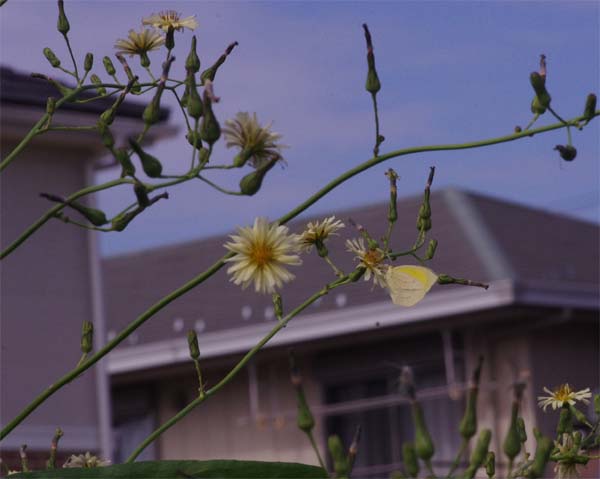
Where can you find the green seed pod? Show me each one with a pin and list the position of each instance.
(567, 153)
(203, 156)
(192, 338)
(106, 135)
(93, 215)
(538, 82)
(141, 194)
(578, 415)
(151, 166)
(192, 62)
(541, 457)
(87, 337)
(209, 73)
(512, 442)
(409, 458)
(521, 429)
(305, 419)
(340, 463)
(468, 424)
(151, 113)
(277, 305)
(597, 404)
(108, 66)
(423, 443)
(355, 275)
(372, 85)
(122, 156)
(194, 103)
(88, 62)
(479, 454)
(120, 222)
(63, 24)
(431, 247)
(51, 57)
(490, 464)
(251, 183)
(193, 138)
(186, 94)
(590, 107)
(95, 79)
(210, 130)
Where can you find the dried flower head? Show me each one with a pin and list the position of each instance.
(566, 468)
(563, 394)
(170, 19)
(261, 253)
(86, 460)
(369, 258)
(409, 284)
(258, 144)
(318, 232)
(139, 43)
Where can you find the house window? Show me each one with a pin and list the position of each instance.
(369, 396)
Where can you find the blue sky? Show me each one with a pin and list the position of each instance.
(450, 72)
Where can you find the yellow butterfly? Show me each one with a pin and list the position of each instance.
(409, 284)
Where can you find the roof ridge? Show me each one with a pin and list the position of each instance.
(485, 246)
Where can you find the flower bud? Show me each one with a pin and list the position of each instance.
(108, 66)
(63, 23)
(372, 85)
(193, 138)
(51, 57)
(278, 305)
(521, 429)
(144, 60)
(151, 166)
(151, 113)
(87, 337)
(95, 79)
(423, 443)
(209, 73)
(194, 103)
(597, 404)
(512, 441)
(490, 464)
(409, 458)
(479, 454)
(141, 194)
(210, 130)
(542, 455)
(590, 107)
(105, 134)
(567, 153)
(192, 338)
(88, 62)
(431, 247)
(192, 62)
(340, 462)
(252, 182)
(542, 98)
(127, 167)
(120, 222)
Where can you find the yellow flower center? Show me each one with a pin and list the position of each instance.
(261, 254)
(563, 393)
(372, 257)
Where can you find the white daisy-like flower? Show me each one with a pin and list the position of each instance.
(170, 19)
(370, 259)
(139, 43)
(258, 144)
(86, 460)
(409, 284)
(261, 253)
(563, 394)
(318, 232)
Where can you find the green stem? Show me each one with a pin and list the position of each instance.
(236, 369)
(185, 117)
(461, 450)
(377, 135)
(72, 56)
(130, 328)
(55, 209)
(218, 188)
(313, 443)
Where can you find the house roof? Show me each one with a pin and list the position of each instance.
(21, 89)
(480, 238)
